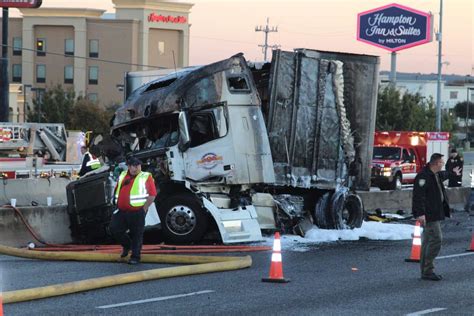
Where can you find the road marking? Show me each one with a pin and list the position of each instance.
(426, 311)
(156, 299)
(458, 255)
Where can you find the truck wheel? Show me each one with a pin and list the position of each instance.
(347, 210)
(396, 183)
(322, 212)
(183, 219)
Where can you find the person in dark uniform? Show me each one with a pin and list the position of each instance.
(454, 161)
(430, 205)
(134, 193)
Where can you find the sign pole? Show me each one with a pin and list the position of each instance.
(393, 70)
(4, 83)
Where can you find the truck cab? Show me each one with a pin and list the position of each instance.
(393, 166)
(399, 156)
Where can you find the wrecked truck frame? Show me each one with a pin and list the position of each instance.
(228, 145)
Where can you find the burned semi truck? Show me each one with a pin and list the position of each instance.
(236, 148)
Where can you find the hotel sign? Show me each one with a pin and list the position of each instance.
(20, 3)
(394, 27)
(166, 18)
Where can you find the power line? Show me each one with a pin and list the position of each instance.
(86, 58)
(266, 30)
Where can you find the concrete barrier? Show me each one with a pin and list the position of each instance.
(393, 201)
(26, 191)
(51, 224)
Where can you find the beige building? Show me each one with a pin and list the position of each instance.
(90, 52)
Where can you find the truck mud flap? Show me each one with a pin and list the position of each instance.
(235, 225)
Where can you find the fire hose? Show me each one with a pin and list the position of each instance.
(147, 249)
(196, 265)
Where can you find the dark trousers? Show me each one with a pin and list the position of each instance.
(134, 222)
(430, 246)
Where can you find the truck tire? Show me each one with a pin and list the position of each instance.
(347, 210)
(396, 184)
(183, 219)
(322, 212)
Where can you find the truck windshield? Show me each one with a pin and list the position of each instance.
(392, 153)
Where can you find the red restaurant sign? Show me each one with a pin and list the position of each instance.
(20, 3)
(166, 19)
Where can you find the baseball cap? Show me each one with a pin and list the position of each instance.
(454, 150)
(133, 161)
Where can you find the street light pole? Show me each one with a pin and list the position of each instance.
(467, 112)
(439, 37)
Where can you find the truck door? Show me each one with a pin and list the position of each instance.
(408, 166)
(210, 155)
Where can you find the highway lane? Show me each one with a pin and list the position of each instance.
(357, 278)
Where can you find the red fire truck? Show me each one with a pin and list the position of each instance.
(399, 156)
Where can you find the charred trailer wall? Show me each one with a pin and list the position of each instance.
(361, 78)
(321, 117)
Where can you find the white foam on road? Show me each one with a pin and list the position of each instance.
(369, 230)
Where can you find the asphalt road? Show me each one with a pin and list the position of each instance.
(343, 278)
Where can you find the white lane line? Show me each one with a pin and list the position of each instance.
(426, 311)
(156, 299)
(458, 255)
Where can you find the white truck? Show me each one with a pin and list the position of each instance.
(235, 149)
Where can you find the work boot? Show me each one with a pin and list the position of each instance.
(133, 261)
(432, 277)
(125, 252)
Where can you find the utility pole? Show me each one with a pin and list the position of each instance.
(4, 83)
(267, 30)
(439, 37)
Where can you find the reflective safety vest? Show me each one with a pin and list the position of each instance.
(93, 163)
(138, 193)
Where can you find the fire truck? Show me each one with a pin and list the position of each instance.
(399, 156)
(38, 149)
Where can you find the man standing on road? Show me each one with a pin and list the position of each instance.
(430, 206)
(134, 193)
(455, 180)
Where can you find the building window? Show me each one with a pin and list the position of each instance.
(40, 73)
(453, 94)
(161, 48)
(68, 74)
(93, 75)
(40, 47)
(17, 46)
(92, 97)
(94, 48)
(69, 47)
(16, 73)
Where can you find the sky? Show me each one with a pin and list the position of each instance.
(222, 28)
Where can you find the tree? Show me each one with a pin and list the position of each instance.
(408, 112)
(89, 116)
(460, 110)
(60, 106)
(54, 107)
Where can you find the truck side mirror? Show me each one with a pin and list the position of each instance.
(184, 138)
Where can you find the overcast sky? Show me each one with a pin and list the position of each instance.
(221, 28)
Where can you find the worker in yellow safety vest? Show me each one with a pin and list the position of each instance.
(134, 193)
(89, 162)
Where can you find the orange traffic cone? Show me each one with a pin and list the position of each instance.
(416, 246)
(472, 244)
(276, 268)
